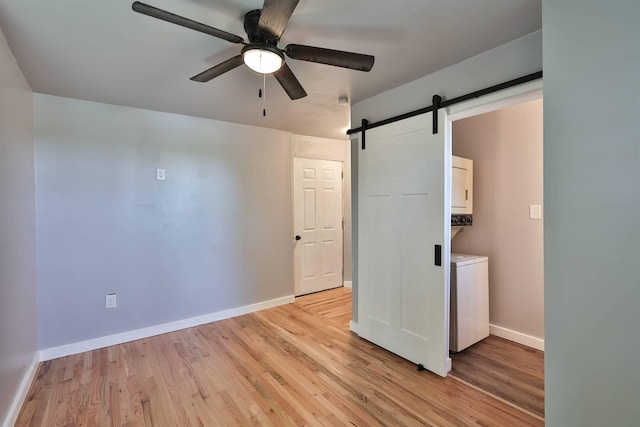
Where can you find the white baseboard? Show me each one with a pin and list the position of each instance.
(518, 337)
(347, 284)
(109, 340)
(353, 326)
(23, 390)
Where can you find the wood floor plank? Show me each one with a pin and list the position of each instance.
(509, 370)
(295, 365)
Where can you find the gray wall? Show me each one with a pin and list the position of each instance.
(592, 207)
(310, 147)
(511, 60)
(215, 235)
(515, 59)
(18, 330)
(506, 148)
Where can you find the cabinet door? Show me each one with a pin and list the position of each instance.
(461, 185)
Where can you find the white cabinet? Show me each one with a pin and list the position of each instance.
(461, 186)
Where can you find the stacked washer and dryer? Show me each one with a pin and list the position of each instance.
(469, 315)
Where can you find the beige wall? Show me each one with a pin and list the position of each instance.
(331, 149)
(506, 147)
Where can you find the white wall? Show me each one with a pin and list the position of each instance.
(310, 147)
(509, 61)
(506, 148)
(592, 207)
(215, 235)
(18, 329)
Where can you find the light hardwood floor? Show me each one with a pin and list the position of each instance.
(292, 365)
(505, 369)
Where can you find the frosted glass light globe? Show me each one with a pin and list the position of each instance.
(262, 61)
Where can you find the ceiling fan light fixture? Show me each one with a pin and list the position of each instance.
(261, 54)
(263, 59)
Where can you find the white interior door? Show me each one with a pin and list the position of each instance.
(317, 222)
(402, 295)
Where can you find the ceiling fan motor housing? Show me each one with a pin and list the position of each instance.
(255, 35)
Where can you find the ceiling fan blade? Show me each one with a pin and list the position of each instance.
(154, 12)
(337, 58)
(289, 82)
(218, 70)
(275, 16)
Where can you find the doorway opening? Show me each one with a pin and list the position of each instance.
(504, 141)
(403, 250)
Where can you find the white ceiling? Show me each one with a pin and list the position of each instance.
(100, 50)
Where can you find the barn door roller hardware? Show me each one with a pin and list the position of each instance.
(436, 100)
(365, 125)
(438, 103)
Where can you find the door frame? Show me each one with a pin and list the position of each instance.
(293, 212)
(492, 102)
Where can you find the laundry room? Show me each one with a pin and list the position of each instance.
(497, 260)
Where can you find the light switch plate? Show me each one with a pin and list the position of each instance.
(111, 301)
(161, 174)
(535, 211)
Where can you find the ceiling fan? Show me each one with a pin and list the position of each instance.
(264, 27)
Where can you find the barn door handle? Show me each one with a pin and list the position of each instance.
(298, 237)
(438, 255)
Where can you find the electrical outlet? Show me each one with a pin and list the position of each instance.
(112, 301)
(535, 212)
(161, 174)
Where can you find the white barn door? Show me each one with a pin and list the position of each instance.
(317, 223)
(402, 300)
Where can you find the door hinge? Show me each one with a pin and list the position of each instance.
(342, 175)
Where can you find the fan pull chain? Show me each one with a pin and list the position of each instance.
(264, 98)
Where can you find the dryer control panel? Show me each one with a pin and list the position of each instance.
(458, 220)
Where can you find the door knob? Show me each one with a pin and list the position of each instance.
(298, 237)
